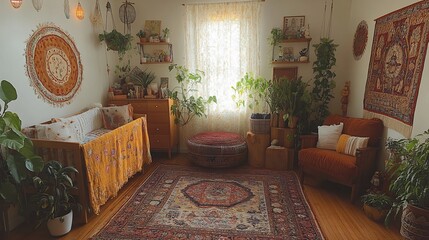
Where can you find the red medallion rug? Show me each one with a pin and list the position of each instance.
(179, 202)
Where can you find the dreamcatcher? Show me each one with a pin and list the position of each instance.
(96, 18)
(127, 14)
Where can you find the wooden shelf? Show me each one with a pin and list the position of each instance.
(290, 40)
(154, 43)
(157, 63)
(286, 62)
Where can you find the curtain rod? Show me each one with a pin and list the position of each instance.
(183, 4)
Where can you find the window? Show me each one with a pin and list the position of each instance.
(222, 40)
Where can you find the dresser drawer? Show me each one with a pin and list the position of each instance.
(158, 129)
(140, 107)
(155, 117)
(158, 106)
(159, 141)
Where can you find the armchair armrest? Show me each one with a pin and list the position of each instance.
(308, 141)
(366, 159)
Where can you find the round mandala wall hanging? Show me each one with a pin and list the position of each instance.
(360, 39)
(53, 64)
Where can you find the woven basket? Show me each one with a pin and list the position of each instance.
(260, 126)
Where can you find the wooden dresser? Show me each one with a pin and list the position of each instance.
(163, 132)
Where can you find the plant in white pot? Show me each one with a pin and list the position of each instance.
(409, 167)
(52, 202)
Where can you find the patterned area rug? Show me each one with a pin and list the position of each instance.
(178, 202)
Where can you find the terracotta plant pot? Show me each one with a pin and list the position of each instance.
(374, 213)
(415, 223)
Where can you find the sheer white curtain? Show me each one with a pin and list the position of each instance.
(222, 40)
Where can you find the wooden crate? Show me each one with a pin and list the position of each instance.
(279, 158)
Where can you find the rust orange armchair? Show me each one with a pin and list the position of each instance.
(353, 171)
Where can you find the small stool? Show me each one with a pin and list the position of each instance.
(217, 149)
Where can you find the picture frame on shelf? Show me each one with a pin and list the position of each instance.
(292, 26)
(164, 87)
(152, 27)
(285, 72)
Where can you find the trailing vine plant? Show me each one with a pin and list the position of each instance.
(323, 80)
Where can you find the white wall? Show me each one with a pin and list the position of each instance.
(16, 27)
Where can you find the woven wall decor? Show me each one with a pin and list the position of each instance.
(53, 64)
(360, 40)
(396, 66)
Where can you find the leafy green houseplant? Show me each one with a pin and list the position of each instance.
(52, 198)
(116, 41)
(376, 205)
(142, 78)
(292, 97)
(187, 104)
(323, 80)
(409, 166)
(17, 157)
(253, 92)
(276, 36)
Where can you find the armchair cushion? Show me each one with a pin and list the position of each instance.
(328, 163)
(329, 135)
(348, 144)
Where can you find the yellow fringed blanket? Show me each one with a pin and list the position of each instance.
(113, 158)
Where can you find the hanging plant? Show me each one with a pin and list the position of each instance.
(323, 80)
(116, 41)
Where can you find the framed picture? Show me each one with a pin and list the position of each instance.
(285, 72)
(164, 87)
(292, 26)
(152, 27)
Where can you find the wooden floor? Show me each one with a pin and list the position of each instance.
(337, 217)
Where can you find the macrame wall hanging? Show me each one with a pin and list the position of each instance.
(67, 9)
(53, 64)
(37, 4)
(96, 18)
(326, 30)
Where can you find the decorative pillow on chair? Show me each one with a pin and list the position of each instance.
(56, 131)
(329, 135)
(116, 116)
(348, 144)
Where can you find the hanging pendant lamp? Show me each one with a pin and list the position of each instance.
(80, 14)
(37, 4)
(16, 3)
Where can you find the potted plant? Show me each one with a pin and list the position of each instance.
(324, 83)
(142, 78)
(17, 157)
(187, 104)
(376, 205)
(253, 92)
(52, 202)
(165, 35)
(275, 38)
(116, 41)
(292, 98)
(409, 166)
(142, 36)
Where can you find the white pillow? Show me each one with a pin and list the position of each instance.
(56, 131)
(329, 135)
(85, 122)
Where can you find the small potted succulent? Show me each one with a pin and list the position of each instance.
(165, 35)
(142, 35)
(376, 205)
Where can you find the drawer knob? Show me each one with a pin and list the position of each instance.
(157, 141)
(156, 106)
(157, 129)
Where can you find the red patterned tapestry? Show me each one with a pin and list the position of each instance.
(53, 64)
(180, 202)
(395, 70)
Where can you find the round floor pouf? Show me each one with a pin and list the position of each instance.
(217, 149)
